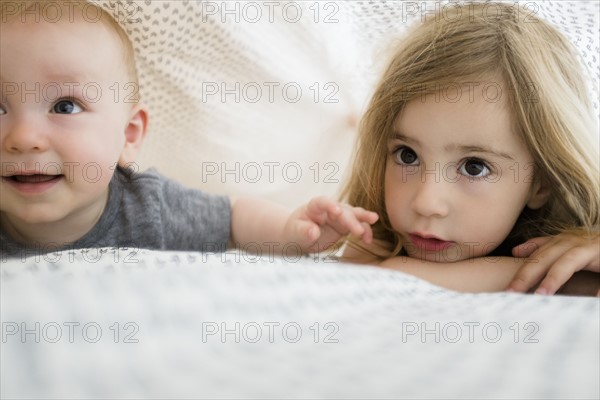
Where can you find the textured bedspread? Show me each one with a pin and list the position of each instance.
(124, 323)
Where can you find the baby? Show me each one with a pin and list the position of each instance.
(71, 126)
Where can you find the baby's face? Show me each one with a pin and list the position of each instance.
(457, 176)
(63, 117)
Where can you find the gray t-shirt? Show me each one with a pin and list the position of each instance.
(147, 211)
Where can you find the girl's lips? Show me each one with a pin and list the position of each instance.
(429, 244)
(32, 184)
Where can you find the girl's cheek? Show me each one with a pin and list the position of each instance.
(480, 188)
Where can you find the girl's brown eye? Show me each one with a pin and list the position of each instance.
(405, 155)
(475, 168)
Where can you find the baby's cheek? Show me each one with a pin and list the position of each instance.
(96, 174)
(89, 176)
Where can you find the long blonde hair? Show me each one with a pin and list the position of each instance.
(547, 98)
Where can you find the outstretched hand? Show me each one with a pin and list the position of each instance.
(321, 222)
(554, 260)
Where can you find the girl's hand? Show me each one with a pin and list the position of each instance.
(555, 259)
(320, 223)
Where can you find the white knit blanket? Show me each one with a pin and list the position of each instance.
(118, 323)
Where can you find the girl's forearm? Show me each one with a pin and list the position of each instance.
(491, 274)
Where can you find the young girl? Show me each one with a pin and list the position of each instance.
(479, 137)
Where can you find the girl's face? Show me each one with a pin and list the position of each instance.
(457, 177)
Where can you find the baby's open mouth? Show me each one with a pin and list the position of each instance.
(35, 178)
(32, 183)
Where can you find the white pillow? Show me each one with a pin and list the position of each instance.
(273, 140)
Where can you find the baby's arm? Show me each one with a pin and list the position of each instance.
(312, 227)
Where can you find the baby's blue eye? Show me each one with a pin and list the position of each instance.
(405, 156)
(475, 168)
(66, 107)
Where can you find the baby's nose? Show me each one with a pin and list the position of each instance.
(23, 137)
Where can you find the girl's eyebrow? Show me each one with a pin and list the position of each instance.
(400, 136)
(460, 147)
(481, 149)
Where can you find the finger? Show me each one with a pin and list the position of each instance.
(367, 237)
(537, 265)
(563, 269)
(347, 222)
(358, 221)
(343, 219)
(323, 205)
(524, 250)
(527, 276)
(306, 231)
(363, 215)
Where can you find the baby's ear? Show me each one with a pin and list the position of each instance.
(135, 132)
(539, 193)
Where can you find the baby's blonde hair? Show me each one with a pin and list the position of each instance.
(548, 101)
(26, 9)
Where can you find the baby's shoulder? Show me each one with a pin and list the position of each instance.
(149, 179)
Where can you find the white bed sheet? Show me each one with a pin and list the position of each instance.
(364, 331)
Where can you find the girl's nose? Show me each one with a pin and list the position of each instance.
(430, 198)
